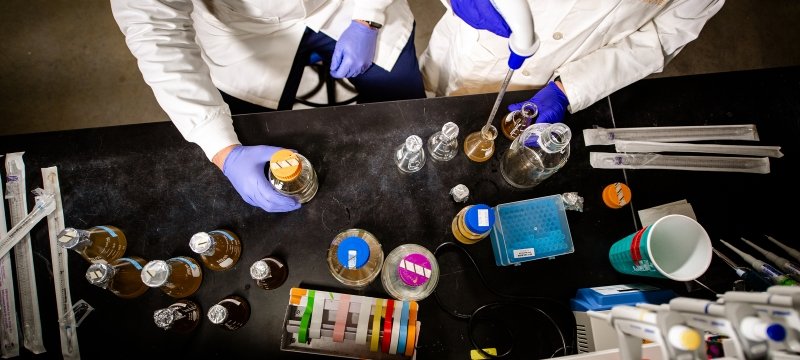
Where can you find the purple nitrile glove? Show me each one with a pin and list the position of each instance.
(244, 167)
(481, 15)
(354, 51)
(550, 101)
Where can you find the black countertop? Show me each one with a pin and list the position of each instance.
(160, 190)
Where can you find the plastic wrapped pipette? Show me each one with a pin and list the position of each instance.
(659, 147)
(791, 269)
(45, 204)
(602, 136)
(777, 277)
(602, 160)
(793, 252)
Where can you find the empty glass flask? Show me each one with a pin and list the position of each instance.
(443, 145)
(410, 157)
(540, 151)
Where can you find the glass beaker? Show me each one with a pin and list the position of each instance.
(479, 146)
(517, 121)
(443, 145)
(410, 157)
(540, 151)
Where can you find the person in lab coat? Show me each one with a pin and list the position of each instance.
(194, 52)
(588, 48)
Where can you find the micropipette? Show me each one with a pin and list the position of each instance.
(791, 269)
(794, 253)
(751, 278)
(777, 277)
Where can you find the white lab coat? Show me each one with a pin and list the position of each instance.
(186, 49)
(595, 46)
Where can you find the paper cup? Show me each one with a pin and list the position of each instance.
(674, 247)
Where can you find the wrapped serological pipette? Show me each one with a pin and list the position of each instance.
(45, 204)
(602, 136)
(601, 160)
(659, 147)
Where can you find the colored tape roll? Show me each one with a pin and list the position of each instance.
(387, 326)
(365, 304)
(401, 339)
(318, 309)
(376, 325)
(398, 310)
(302, 334)
(412, 329)
(341, 318)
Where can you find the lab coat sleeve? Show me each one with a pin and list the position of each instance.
(161, 37)
(643, 52)
(371, 10)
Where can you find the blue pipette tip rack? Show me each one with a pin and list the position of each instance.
(530, 230)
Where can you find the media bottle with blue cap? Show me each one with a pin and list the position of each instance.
(355, 258)
(473, 223)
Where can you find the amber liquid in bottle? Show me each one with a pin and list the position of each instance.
(122, 277)
(178, 277)
(219, 249)
(100, 243)
(230, 313)
(269, 273)
(181, 317)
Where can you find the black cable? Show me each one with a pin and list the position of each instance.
(471, 317)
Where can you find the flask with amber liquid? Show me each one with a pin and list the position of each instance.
(97, 244)
(230, 313)
(219, 249)
(122, 277)
(269, 273)
(181, 317)
(178, 277)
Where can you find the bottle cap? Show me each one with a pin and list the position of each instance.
(285, 165)
(164, 318)
(776, 332)
(201, 242)
(259, 270)
(69, 237)
(217, 314)
(616, 195)
(99, 274)
(155, 273)
(353, 252)
(450, 130)
(479, 219)
(414, 269)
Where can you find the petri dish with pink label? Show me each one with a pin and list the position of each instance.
(410, 272)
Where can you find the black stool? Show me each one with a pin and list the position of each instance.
(322, 68)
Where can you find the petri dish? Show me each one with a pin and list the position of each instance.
(410, 273)
(355, 258)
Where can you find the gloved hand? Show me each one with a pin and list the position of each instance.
(551, 102)
(481, 15)
(354, 51)
(244, 167)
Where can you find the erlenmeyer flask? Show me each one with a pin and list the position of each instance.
(479, 146)
(443, 145)
(410, 157)
(516, 121)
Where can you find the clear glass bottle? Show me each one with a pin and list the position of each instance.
(410, 157)
(443, 145)
(538, 153)
(230, 313)
(219, 249)
(122, 277)
(517, 121)
(291, 174)
(473, 223)
(178, 277)
(479, 146)
(269, 273)
(104, 243)
(181, 317)
(355, 258)
(410, 273)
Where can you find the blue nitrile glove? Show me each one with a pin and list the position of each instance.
(244, 167)
(551, 102)
(354, 51)
(481, 15)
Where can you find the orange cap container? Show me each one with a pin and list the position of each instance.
(285, 165)
(616, 195)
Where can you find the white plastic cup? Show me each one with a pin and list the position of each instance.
(674, 247)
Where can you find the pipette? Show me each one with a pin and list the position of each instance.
(784, 264)
(601, 160)
(777, 277)
(753, 279)
(794, 253)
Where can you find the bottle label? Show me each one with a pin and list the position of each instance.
(194, 269)
(108, 229)
(225, 261)
(132, 262)
(483, 217)
(223, 233)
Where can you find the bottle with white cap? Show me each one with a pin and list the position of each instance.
(97, 244)
(230, 313)
(269, 273)
(122, 277)
(291, 174)
(181, 317)
(443, 145)
(178, 277)
(355, 258)
(219, 249)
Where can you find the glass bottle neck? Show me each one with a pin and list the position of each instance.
(555, 138)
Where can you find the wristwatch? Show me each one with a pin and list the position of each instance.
(373, 24)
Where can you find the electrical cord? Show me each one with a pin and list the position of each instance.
(470, 318)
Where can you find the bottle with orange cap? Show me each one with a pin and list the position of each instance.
(292, 175)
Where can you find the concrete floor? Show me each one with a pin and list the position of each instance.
(65, 65)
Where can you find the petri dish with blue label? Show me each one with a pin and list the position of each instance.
(355, 258)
